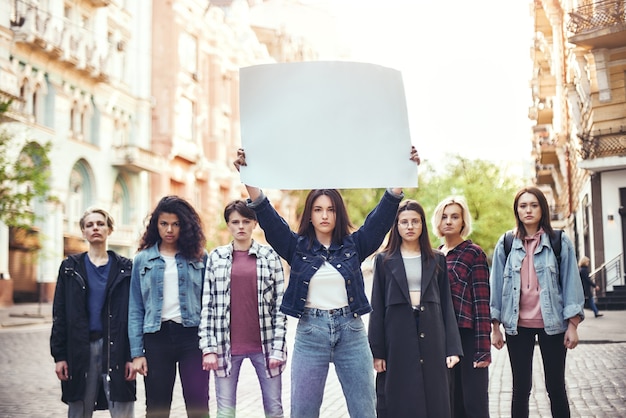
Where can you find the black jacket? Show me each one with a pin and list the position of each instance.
(416, 381)
(69, 340)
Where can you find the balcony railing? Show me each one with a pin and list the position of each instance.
(60, 39)
(596, 15)
(136, 159)
(603, 145)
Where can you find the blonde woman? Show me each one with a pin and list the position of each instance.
(89, 340)
(468, 273)
(588, 284)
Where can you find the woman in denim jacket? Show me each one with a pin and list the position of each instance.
(164, 308)
(534, 297)
(327, 294)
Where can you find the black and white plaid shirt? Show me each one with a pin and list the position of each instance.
(214, 328)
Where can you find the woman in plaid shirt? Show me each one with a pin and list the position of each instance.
(243, 290)
(469, 283)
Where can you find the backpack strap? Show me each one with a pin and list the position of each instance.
(508, 243)
(555, 242)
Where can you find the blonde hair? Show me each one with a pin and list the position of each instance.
(584, 261)
(89, 211)
(466, 230)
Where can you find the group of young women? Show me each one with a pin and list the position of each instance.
(433, 313)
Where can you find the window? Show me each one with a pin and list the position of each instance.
(188, 52)
(79, 194)
(185, 119)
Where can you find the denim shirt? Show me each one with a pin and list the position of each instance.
(346, 256)
(561, 296)
(146, 294)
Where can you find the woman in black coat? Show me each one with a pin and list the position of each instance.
(413, 332)
(89, 340)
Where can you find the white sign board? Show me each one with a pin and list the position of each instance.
(313, 125)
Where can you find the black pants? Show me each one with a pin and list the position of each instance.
(175, 345)
(469, 387)
(553, 352)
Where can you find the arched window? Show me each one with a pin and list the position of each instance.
(120, 208)
(79, 195)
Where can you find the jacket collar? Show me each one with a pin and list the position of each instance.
(226, 251)
(398, 271)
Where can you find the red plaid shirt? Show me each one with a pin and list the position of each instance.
(469, 284)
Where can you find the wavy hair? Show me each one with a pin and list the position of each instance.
(395, 240)
(191, 240)
(544, 222)
(343, 226)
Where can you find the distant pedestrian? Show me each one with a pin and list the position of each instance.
(326, 292)
(164, 310)
(413, 331)
(243, 290)
(89, 340)
(534, 297)
(469, 283)
(589, 286)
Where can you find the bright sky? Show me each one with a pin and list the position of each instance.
(466, 69)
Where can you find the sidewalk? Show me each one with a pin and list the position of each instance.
(596, 375)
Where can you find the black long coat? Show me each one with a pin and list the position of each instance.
(416, 381)
(69, 339)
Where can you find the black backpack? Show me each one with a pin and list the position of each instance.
(555, 243)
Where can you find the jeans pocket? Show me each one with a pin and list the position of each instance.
(356, 324)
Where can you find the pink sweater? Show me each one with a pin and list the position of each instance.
(530, 306)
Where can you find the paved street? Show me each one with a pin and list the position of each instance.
(596, 374)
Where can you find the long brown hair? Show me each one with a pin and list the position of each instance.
(395, 240)
(544, 222)
(343, 226)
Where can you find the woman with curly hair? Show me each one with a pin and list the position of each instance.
(165, 306)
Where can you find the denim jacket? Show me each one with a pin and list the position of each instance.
(561, 296)
(346, 256)
(146, 294)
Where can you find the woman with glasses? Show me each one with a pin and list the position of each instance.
(413, 333)
(469, 283)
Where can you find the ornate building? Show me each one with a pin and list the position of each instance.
(579, 105)
(139, 99)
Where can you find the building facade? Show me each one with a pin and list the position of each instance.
(139, 99)
(579, 106)
(79, 75)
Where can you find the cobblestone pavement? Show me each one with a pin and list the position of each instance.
(596, 381)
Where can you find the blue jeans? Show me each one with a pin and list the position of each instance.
(553, 353)
(95, 378)
(333, 336)
(175, 345)
(271, 388)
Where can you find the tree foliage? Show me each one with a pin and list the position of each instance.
(488, 188)
(22, 179)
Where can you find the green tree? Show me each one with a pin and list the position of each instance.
(488, 188)
(22, 179)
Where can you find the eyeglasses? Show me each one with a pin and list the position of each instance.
(405, 224)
